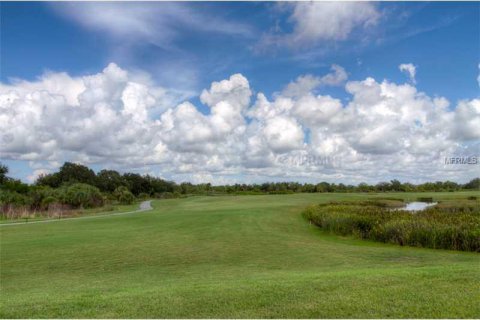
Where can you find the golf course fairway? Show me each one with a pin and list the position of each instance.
(228, 257)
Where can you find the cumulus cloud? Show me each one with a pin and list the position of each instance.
(315, 111)
(117, 119)
(235, 91)
(283, 134)
(100, 121)
(410, 70)
(467, 121)
(307, 83)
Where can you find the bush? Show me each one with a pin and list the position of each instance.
(47, 201)
(123, 195)
(13, 198)
(80, 195)
(38, 194)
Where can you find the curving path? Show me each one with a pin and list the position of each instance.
(144, 206)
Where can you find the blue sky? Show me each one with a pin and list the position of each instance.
(438, 37)
(184, 47)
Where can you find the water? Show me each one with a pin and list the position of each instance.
(417, 206)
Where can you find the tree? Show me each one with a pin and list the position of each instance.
(473, 184)
(323, 187)
(69, 173)
(137, 184)
(72, 172)
(3, 173)
(363, 187)
(382, 186)
(109, 180)
(15, 185)
(49, 180)
(396, 185)
(158, 185)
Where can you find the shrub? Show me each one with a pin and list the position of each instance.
(38, 194)
(13, 198)
(123, 195)
(80, 195)
(47, 201)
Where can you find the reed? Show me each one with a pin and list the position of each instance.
(448, 225)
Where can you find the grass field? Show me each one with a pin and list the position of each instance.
(227, 257)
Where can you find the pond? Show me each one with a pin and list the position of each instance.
(417, 206)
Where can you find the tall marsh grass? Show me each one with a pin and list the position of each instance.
(448, 225)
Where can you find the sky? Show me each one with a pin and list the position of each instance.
(242, 92)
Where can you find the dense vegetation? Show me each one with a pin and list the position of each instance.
(73, 187)
(77, 186)
(448, 225)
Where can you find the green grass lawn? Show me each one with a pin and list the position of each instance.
(227, 257)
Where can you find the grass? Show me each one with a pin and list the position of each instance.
(228, 257)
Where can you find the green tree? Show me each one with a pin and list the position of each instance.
(109, 180)
(3, 173)
(137, 184)
(49, 180)
(396, 185)
(473, 184)
(72, 172)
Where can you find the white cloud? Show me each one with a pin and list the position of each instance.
(283, 134)
(478, 78)
(330, 20)
(235, 91)
(317, 22)
(318, 110)
(467, 121)
(386, 130)
(100, 123)
(410, 70)
(307, 83)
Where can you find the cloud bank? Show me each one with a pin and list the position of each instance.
(116, 119)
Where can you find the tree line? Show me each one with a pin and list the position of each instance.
(79, 186)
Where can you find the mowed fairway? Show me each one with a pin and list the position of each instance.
(227, 257)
